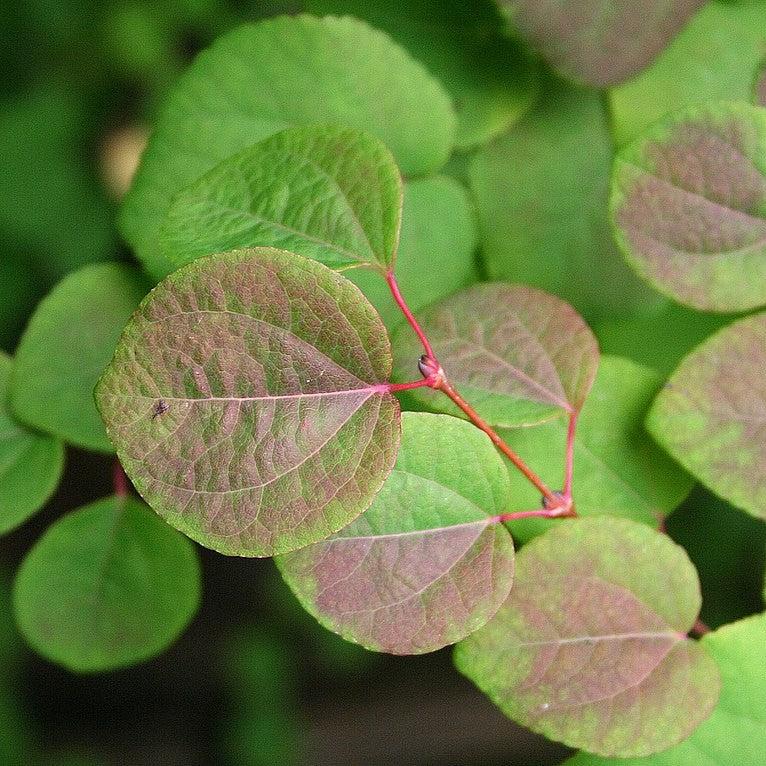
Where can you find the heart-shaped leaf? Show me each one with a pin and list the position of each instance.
(618, 470)
(261, 78)
(734, 732)
(67, 344)
(427, 563)
(689, 206)
(491, 80)
(711, 414)
(519, 355)
(542, 194)
(248, 402)
(590, 647)
(106, 586)
(600, 43)
(714, 57)
(330, 193)
(30, 463)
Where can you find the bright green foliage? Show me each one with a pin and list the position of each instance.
(733, 735)
(618, 470)
(491, 81)
(106, 586)
(65, 348)
(590, 646)
(689, 206)
(261, 78)
(541, 192)
(709, 415)
(430, 564)
(714, 57)
(248, 402)
(329, 193)
(30, 463)
(436, 251)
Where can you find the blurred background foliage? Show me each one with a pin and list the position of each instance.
(255, 681)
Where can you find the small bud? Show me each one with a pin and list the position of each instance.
(428, 366)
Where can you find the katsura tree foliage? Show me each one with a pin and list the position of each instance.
(310, 364)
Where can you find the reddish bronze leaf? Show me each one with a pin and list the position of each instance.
(427, 563)
(590, 648)
(519, 355)
(247, 401)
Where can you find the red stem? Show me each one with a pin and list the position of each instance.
(408, 386)
(538, 513)
(405, 309)
(569, 469)
(699, 629)
(119, 480)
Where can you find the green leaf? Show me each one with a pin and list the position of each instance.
(436, 252)
(734, 732)
(618, 470)
(427, 563)
(30, 463)
(714, 57)
(491, 81)
(709, 415)
(519, 355)
(689, 206)
(600, 43)
(262, 78)
(248, 401)
(67, 344)
(759, 89)
(106, 586)
(590, 647)
(541, 192)
(330, 193)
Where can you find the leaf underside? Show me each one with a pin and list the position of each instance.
(689, 206)
(710, 414)
(519, 355)
(426, 564)
(590, 646)
(248, 401)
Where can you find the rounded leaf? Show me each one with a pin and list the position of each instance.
(261, 78)
(67, 344)
(689, 206)
(106, 586)
(30, 463)
(590, 648)
(330, 193)
(427, 563)
(248, 402)
(519, 355)
(710, 414)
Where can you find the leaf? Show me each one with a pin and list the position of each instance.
(330, 193)
(618, 470)
(30, 463)
(519, 355)
(710, 414)
(734, 732)
(689, 206)
(541, 192)
(599, 43)
(759, 90)
(713, 58)
(261, 78)
(590, 646)
(436, 253)
(426, 564)
(491, 81)
(106, 586)
(67, 344)
(248, 404)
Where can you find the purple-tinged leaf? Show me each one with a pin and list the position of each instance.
(711, 414)
(689, 206)
(590, 648)
(519, 355)
(599, 43)
(248, 402)
(426, 564)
